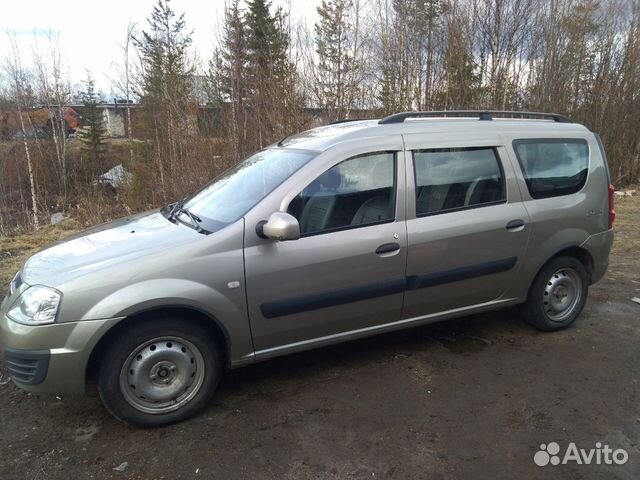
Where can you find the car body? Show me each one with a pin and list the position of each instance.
(360, 228)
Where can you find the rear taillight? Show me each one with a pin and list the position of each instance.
(612, 211)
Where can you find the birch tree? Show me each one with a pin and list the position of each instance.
(17, 79)
(124, 80)
(54, 91)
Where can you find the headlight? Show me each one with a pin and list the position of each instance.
(15, 283)
(37, 305)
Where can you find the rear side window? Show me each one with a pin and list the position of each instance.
(553, 167)
(457, 178)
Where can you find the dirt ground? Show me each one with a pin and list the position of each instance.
(472, 398)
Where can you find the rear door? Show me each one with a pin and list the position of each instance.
(467, 227)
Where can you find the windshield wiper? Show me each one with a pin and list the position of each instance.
(178, 208)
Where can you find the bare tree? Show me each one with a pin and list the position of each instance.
(54, 92)
(576, 57)
(123, 81)
(17, 78)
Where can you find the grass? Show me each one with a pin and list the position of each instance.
(15, 249)
(627, 224)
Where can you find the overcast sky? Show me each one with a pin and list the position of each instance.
(90, 31)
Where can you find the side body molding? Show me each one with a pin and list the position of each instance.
(305, 303)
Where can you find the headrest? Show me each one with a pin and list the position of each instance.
(381, 171)
(330, 179)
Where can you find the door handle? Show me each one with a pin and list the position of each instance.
(387, 248)
(515, 224)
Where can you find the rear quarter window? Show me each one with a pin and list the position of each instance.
(553, 167)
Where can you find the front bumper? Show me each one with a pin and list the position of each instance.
(50, 358)
(27, 367)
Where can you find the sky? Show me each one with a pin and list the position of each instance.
(90, 32)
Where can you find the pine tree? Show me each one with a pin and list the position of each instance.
(460, 69)
(336, 87)
(93, 134)
(166, 65)
(167, 71)
(228, 78)
(267, 40)
(271, 75)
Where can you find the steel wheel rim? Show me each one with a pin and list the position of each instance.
(562, 292)
(162, 375)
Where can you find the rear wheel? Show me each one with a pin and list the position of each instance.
(160, 372)
(558, 294)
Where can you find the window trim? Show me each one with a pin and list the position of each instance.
(394, 154)
(575, 140)
(503, 180)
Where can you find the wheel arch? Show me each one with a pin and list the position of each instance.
(579, 253)
(190, 313)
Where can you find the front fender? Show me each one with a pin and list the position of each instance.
(228, 311)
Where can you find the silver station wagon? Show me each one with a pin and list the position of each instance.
(339, 232)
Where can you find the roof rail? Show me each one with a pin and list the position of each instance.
(346, 120)
(481, 114)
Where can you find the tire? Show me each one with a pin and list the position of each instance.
(159, 372)
(558, 294)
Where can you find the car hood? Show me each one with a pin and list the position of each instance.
(104, 246)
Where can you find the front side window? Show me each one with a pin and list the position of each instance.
(553, 167)
(354, 193)
(235, 192)
(456, 178)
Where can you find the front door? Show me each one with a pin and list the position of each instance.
(346, 272)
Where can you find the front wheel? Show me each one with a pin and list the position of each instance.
(160, 372)
(558, 294)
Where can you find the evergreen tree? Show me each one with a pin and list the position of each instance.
(167, 67)
(462, 80)
(336, 86)
(267, 40)
(93, 133)
(167, 71)
(228, 78)
(271, 75)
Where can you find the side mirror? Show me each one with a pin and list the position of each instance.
(280, 226)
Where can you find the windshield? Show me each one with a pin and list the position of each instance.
(236, 191)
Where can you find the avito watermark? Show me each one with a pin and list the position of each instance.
(549, 454)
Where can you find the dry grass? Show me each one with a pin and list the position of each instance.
(15, 249)
(627, 224)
